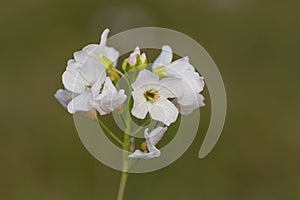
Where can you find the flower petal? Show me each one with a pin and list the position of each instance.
(164, 111)
(164, 58)
(137, 51)
(178, 66)
(193, 79)
(151, 139)
(132, 60)
(188, 109)
(91, 70)
(112, 54)
(64, 97)
(170, 87)
(70, 61)
(89, 49)
(80, 103)
(191, 88)
(144, 77)
(140, 105)
(80, 56)
(154, 137)
(73, 81)
(104, 36)
(98, 85)
(138, 154)
(73, 65)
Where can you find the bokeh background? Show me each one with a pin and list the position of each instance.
(255, 44)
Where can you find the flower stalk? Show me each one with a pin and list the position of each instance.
(126, 146)
(102, 125)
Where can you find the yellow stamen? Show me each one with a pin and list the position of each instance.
(151, 95)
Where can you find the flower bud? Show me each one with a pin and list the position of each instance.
(135, 60)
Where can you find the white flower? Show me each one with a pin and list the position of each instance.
(151, 95)
(151, 140)
(82, 81)
(192, 83)
(85, 75)
(90, 92)
(109, 99)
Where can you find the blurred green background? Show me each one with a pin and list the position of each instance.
(255, 44)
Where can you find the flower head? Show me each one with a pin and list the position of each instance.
(82, 81)
(151, 95)
(151, 140)
(192, 83)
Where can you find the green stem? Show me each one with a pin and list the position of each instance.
(122, 75)
(109, 131)
(126, 140)
(118, 71)
(126, 145)
(122, 186)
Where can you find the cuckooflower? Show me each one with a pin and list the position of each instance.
(151, 95)
(82, 81)
(151, 140)
(91, 91)
(192, 83)
(85, 75)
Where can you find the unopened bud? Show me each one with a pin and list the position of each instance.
(143, 58)
(132, 60)
(135, 60)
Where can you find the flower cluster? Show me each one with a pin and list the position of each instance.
(165, 90)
